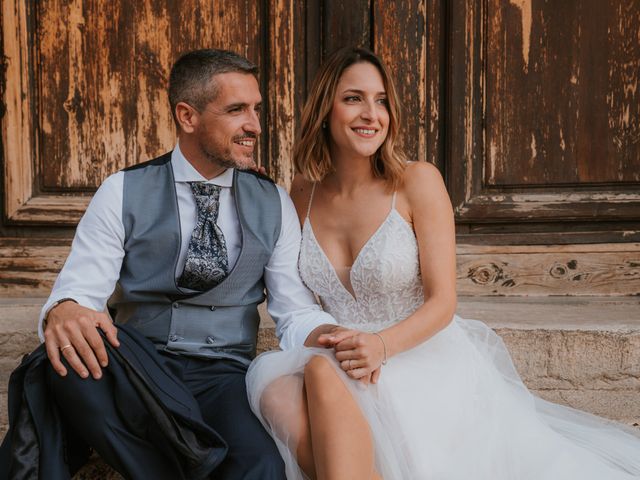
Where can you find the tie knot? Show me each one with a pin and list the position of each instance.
(204, 189)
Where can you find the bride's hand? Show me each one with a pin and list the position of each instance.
(333, 335)
(360, 355)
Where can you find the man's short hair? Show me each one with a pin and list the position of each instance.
(191, 79)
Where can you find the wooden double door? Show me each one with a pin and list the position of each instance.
(531, 109)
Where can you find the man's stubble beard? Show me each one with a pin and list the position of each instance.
(223, 158)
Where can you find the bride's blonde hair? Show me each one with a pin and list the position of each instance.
(311, 152)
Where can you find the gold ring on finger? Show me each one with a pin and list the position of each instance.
(62, 349)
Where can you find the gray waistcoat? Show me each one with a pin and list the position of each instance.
(221, 322)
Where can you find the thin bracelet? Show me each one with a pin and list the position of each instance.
(384, 347)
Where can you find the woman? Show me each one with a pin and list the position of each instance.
(406, 390)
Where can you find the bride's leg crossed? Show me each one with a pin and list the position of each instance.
(283, 405)
(340, 435)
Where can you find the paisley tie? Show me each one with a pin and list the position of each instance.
(207, 263)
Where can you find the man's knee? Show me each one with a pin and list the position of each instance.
(73, 387)
(270, 465)
(281, 399)
(259, 460)
(266, 464)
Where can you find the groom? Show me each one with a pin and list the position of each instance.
(189, 241)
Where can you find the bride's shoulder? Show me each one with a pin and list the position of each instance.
(421, 175)
(423, 184)
(300, 193)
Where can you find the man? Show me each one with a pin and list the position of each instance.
(191, 241)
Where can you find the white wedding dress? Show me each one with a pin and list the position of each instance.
(452, 408)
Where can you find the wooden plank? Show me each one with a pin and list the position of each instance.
(435, 75)
(400, 39)
(155, 51)
(50, 209)
(464, 249)
(345, 23)
(548, 233)
(537, 206)
(619, 92)
(612, 270)
(161, 39)
(29, 267)
(17, 122)
(312, 42)
(281, 90)
(464, 135)
(85, 70)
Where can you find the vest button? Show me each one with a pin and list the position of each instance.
(176, 305)
(211, 340)
(173, 338)
(212, 307)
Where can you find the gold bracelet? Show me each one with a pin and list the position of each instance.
(384, 347)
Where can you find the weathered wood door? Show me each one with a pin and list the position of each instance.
(84, 95)
(529, 108)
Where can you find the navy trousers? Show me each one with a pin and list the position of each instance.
(122, 432)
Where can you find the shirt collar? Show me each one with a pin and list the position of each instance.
(183, 171)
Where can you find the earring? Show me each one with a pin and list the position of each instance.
(324, 124)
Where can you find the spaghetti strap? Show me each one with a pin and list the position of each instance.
(313, 189)
(393, 200)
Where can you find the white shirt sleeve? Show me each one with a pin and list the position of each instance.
(92, 269)
(289, 302)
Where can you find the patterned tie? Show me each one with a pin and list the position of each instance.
(207, 263)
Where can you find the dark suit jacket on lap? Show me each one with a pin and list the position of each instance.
(138, 372)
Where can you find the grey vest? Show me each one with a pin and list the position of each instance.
(221, 322)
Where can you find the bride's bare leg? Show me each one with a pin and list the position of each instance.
(340, 436)
(284, 405)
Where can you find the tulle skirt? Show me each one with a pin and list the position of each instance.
(454, 408)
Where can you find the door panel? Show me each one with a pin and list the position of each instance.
(544, 111)
(87, 90)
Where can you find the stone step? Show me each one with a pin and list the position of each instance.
(581, 352)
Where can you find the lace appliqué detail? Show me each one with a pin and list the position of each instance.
(385, 277)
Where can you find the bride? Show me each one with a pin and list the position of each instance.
(406, 390)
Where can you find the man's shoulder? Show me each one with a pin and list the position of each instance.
(158, 161)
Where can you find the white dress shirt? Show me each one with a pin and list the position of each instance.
(92, 269)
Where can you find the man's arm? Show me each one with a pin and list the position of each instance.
(299, 319)
(88, 278)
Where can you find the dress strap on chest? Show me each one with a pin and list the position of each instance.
(313, 189)
(393, 199)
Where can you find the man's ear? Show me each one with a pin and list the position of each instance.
(187, 117)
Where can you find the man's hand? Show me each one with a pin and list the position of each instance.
(73, 331)
(360, 355)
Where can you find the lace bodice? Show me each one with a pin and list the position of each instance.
(385, 276)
